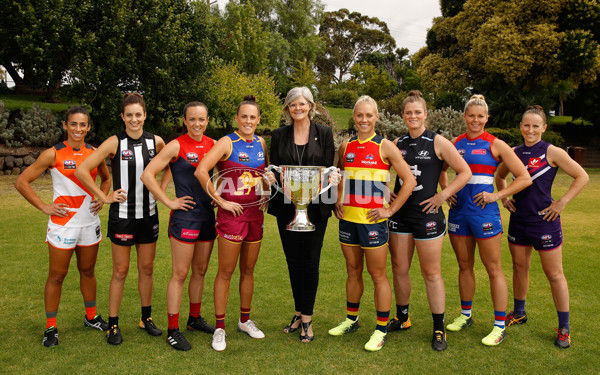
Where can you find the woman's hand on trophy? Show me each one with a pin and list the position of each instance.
(269, 177)
(335, 177)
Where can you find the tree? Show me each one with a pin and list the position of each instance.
(373, 81)
(347, 36)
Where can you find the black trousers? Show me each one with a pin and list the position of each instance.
(303, 255)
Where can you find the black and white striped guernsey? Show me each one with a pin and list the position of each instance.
(128, 163)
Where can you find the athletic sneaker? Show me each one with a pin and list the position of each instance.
(376, 341)
(96, 323)
(438, 342)
(218, 342)
(347, 326)
(199, 324)
(150, 327)
(177, 340)
(563, 338)
(113, 336)
(459, 323)
(512, 318)
(251, 329)
(396, 325)
(495, 337)
(50, 337)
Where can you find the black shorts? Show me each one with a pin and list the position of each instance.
(189, 231)
(128, 232)
(421, 227)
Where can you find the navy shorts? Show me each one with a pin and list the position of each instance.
(536, 232)
(189, 231)
(128, 232)
(421, 227)
(363, 235)
(478, 226)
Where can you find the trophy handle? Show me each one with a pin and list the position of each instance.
(325, 171)
(279, 170)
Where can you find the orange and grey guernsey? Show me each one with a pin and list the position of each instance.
(68, 189)
(366, 175)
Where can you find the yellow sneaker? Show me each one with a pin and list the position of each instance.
(344, 327)
(495, 337)
(376, 341)
(459, 323)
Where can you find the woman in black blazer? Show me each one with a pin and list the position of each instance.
(302, 142)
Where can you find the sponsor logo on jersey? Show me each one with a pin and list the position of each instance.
(360, 147)
(350, 157)
(189, 234)
(69, 241)
(192, 157)
(487, 227)
(369, 160)
(69, 164)
(423, 153)
(431, 226)
(98, 231)
(369, 157)
(373, 235)
(233, 237)
(453, 227)
(124, 237)
(260, 154)
(461, 152)
(126, 155)
(479, 152)
(511, 238)
(392, 225)
(155, 229)
(546, 239)
(243, 157)
(534, 163)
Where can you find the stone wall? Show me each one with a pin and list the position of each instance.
(13, 161)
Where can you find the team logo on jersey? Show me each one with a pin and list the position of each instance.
(534, 163)
(98, 231)
(243, 157)
(126, 155)
(192, 157)
(546, 239)
(69, 164)
(403, 152)
(431, 226)
(373, 235)
(461, 152)
(151, 153)
(487, 227)
(155, 230)
(478, 152)
(350, 157)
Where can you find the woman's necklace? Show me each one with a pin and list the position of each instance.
(300, 155)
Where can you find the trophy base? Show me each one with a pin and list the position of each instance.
(301, 222)
(300, 227)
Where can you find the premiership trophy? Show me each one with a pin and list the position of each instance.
(301, 184)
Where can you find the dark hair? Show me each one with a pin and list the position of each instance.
(414, 96)
(535, 110)
(132, 98)
(194, 104)
(77, 109)
(248, 99)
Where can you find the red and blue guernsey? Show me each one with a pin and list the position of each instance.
(533, 199)
(241, 177)
(186, 184)
(478, 154)
(366, 175)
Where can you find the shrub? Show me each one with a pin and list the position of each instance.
(449, 99)
(511, 136)
(323, 117)
(342, 97)
(393, 104)
(390, 126)
(6, 132)
(553, 137)
(447, 122)
(37, 127)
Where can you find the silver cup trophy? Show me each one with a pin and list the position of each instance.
(301, 184)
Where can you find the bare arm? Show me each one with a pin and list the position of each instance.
(166, 178)
(35, 170)
(96, 204)
(339, 204)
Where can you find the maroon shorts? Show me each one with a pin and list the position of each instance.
(240, 231)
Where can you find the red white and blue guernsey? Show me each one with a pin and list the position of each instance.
(241, 178)
(478, 154)
(191, 152)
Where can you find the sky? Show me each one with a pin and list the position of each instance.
(408, 20)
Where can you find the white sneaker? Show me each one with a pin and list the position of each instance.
(251, 329)
(218, 342)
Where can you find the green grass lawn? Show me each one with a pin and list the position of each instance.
(12, 102)
(340, 116)
(527, 349)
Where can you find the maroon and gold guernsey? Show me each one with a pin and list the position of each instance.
(366, 175)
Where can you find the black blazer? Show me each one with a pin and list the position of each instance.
(321, 151)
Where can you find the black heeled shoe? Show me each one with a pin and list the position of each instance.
(289, 328)
(306, 336)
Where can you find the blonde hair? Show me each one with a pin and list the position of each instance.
(294, 94)
(414, 96)
(366, 99)
(476, 100)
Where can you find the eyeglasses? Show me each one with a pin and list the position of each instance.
(298, 105)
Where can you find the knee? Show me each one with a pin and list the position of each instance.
(247, 272)
(147, 269)
(120, 273)
(87, 272)
(224, 275)
(465, 266)
(56, 277)
(432, 277)
(179, 276)
(556, 276)
(494, 270)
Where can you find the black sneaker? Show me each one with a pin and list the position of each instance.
(563, 338)
(177, 340)
(199, 324)
(50, 337)
(113, 336)
(150, 327)
(396, 325)
(96, 323)
(438, 342)
(512, 318)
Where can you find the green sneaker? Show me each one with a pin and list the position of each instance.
(347, 326)
(376, 341)
(459, 323)
(495, 337)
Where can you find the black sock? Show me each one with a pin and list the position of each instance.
(438, 322)
(146, 312)
(113, 321)
(402, 313)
